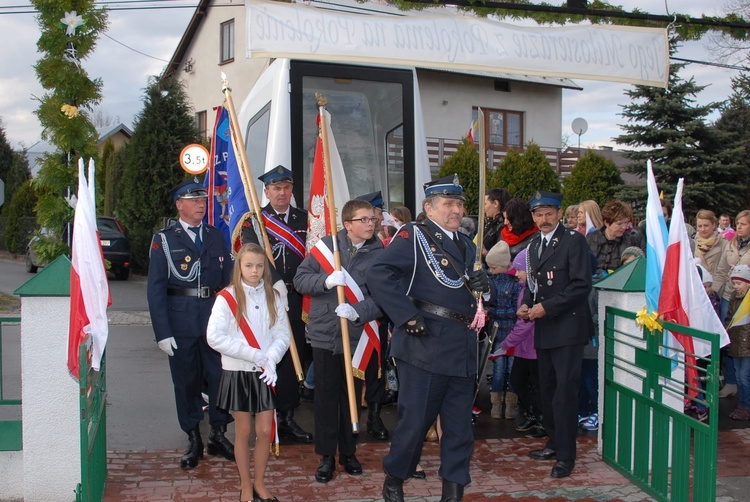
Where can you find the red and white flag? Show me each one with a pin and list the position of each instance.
(473, 127)
(89, 289)
(682, 299)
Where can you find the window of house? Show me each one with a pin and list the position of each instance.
(504, 127)
(227, 42)
(200, 123)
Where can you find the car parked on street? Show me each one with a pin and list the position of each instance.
(115, 246)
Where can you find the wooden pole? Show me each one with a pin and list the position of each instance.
(252, 195)
(354, 415)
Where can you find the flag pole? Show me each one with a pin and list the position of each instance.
(252, 195)
(354, 415)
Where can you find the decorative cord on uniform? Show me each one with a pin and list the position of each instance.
(432, 262)
(195, 270)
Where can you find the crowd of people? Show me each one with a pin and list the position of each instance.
(406, 295)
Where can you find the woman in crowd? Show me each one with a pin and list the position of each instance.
(571, 217)
(519, 226)
(710, 246)
(494, 204)
(590, 208)
(608, 242)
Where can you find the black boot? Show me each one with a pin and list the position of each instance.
(289, 429)
(452, 492)
(194, 450)
(218, 444)
(532, 420)
(393, 489)
(375, 427)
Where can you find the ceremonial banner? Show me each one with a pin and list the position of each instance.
(217, 213)
(628, 54)
(237, 203)
(89, 289)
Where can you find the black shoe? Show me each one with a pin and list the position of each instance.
(537, 432)
(325, 470)
(194, 450)
(393, 489)
(258, 498)
(563, 468)
(528, 424)
(452, 492)
(306, 394)
(289, 429)
(218, 444)
(351, 464)
(545, 454)
(391, 396)
(420, 474)
(375, 426)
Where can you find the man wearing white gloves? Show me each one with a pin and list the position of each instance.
(189, 263)
(316, 277)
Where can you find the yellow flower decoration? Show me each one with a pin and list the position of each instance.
(650, 321)
(70, 111)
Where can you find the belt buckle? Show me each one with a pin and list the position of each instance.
(204, 292)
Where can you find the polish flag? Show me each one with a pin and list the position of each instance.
(472, 128)
(683, 300)
(89, 290)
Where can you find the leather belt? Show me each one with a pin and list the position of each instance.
(439, 311)
(202, 293)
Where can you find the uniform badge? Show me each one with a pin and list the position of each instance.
(154, 245)
(187, 260)
(455, 180)
(433, 249)
(550, 276)
(443, 262)
(183, 266)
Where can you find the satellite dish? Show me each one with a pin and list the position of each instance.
(580, 126)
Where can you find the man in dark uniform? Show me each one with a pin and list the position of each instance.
(189, 263)
(287, 230)
(424, 283)
(374, 382)
(559, 278)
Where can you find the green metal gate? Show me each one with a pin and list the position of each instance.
(667, 453)
(93, 389)
(11, 431)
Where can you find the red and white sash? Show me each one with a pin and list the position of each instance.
(368, 343)
(285, 235)
(253, 342)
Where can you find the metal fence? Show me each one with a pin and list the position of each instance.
(647, 436)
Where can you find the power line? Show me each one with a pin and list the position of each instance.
(711, 63)
(135, 50)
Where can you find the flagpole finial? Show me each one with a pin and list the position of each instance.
(322, 100)
(224, 83)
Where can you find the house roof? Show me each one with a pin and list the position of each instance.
(376, 7)
(107, 132)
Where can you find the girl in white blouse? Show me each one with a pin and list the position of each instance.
(248, 359)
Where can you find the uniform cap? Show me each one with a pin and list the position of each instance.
(498, 255)
(278, 174)
(741, 272)
(545, 199)
(446, 187)
(374, 198)
(191, 188)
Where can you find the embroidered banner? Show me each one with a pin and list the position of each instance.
(626, 54)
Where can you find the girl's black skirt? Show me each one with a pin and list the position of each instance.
(244, 391)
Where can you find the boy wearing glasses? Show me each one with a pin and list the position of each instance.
(316, 277)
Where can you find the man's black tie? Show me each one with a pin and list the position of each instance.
(544, 246)
(198, 242)
(282, 217)
(461, 245)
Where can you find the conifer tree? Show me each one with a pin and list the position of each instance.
(667, 126)
(465, 163)
(69, 32)
(735, 122)
(144, 195)
(522, 174)
(594, 177)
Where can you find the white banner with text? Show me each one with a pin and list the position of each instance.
(458, 42)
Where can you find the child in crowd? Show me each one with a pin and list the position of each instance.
(248, 328)
(739, 346)
(631, 253)
(524, 375)
(502, 310)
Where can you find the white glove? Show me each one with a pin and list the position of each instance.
(346, 311)
(337, 278)
(167, 345)
(260, 358)
(280, 288)
(497, 354)
(269, 373)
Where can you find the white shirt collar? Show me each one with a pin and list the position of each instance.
(547, 237)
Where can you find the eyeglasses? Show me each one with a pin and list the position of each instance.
(366, 220)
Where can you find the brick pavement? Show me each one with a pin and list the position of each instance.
(500, 469)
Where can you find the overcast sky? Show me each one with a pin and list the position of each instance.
(157, 32)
